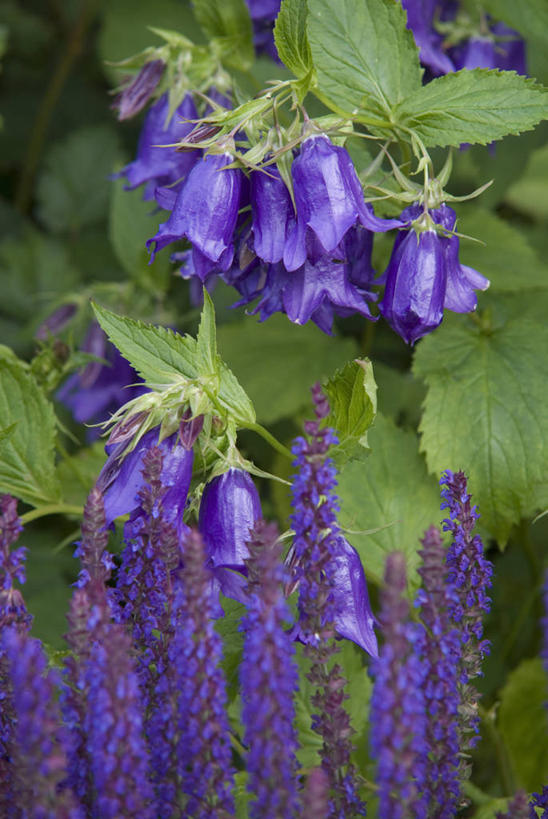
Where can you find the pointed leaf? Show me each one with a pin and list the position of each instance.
(291, 37)
(352, 394)
(206, 342)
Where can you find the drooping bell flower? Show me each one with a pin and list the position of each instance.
(137, 93)
(229, 509)
(263, 14)
(353, 616)
(272, 213)
(155, 165)
(501, 48)
(424, 274)
(329, 199)
(420, 20)
(121, 478)
(205, 212)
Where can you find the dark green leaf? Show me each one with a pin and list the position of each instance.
(506, 258)
(473, 106)
(278, 362)
(523, 723)
(530, 193)
(27, 458)
(486, 412)
(74, 186)
(389, 488)
(291, 38)
(229, 24)
(352, 394)
(363, 53)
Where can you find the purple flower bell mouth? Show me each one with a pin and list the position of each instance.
(229, 509)
(157, 166)
(205, 212)
(329, 199)
(424, 275)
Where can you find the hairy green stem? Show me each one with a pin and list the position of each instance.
(264, 433)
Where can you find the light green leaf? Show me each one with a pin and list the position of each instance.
(27, 458)
(390, 490)
(291, 39)
(131, 222)
(473, 106)
(74, 186)
(363, 53)
(206, 342)
(523, 723)
(530, 193)
(506, 258)
(78, 473)
(229, 24)
(486, 412)
(352, 394)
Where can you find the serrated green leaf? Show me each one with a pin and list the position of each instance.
(506, 258)
(131, 222)
(523, 723)
(277, 362)
(352, 394)
(390, 490)
(486, 412)
(473, 106)
(27, 458)
(229, 24)
(73, 188)
(291, 38)
(159, 355)
(206, 341)
(364, 55)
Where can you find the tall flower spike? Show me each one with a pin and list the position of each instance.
(39, 755)
(316, 794)
(268, 678)
(315, 547)
(204, 755)
(441, 656)
(518, 808)
(470, 575)
(398, 716)
(539, 800)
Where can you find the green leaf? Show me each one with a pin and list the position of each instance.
(27, 458)
(530, 193)
(131, 222)
(206, 342)
(78, 473)
(277, 362)
(507, 259)
(473, 106)
(352, 394)
(529, 17)
(523, 723)
(486, 412)
(363, 53)
(73, 189)
(228, 23)
(159, 355)
(389, 490)
(291, 39)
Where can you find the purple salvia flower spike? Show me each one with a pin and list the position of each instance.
(469, 573)
(38, 748)
(398, 717)
(544, 649)
(518, 808)
(441, 656)
(204, 755)
(205, 212)
(269, 678)
(539, 800)
(314, 550)
(157, 166)
(316, 794)
(229, 509)
(137, 93)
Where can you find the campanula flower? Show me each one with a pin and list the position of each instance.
(229, 509)
(135, 96)
(420, 19)
(272, 213)
(205, 212)
(155, 165)
(424, 274)
(501, 48)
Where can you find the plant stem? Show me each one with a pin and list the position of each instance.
(504, 764)
(51, 509)
(40, 126)
(264, 433)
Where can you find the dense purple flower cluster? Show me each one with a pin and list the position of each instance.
(398, 703)
(268, 676)
(449, 39)
(441, 658)
(470, 574)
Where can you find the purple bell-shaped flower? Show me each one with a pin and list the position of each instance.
(328, 198)
(424, 275)
(420, 20)
(229, 509)
(273, 213)
(157, 166)
(137, 93)
(353, 616)
(205, 212)
(501, 48)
